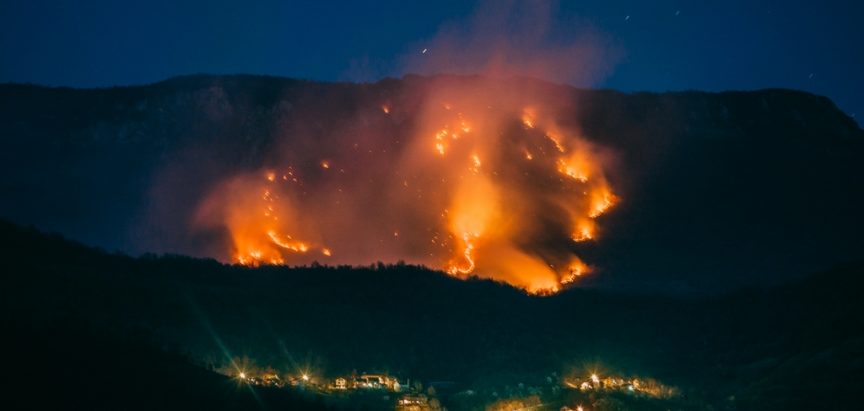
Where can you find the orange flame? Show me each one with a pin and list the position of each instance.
(470, 204)
(601, 200)
(576, 269)
(584, 231)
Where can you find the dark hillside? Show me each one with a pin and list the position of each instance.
(798, 344)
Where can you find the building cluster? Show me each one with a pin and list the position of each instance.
(269, 379)
(407, 400)
(414, 402)
(366, 381)
(636, 386)
(382, 382)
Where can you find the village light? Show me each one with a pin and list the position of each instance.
(595, 378)
(305, 377)
(242, 375)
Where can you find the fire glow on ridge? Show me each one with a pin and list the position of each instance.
(473, 180)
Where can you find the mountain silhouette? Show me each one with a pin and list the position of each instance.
(720, 190)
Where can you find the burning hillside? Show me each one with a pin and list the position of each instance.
(466, 177)
(228, 166)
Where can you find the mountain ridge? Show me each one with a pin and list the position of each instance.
(734, 170)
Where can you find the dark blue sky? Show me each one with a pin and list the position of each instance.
(662, 45)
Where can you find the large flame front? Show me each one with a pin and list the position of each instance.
(471, 180)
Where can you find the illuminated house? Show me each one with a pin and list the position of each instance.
(377, 381)
(340, 384)
(413, 402)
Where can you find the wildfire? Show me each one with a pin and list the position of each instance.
(475, 163)
(473, 210)
(440, 144)
(295, 246)
(584, 231)
(528, 117)
(470, 204)
(574, 170)
(576, 269)
(601, 201)
(468, 254)
(556, 141)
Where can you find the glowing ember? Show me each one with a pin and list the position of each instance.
(451, 191)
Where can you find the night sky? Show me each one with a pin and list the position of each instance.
(657, 46)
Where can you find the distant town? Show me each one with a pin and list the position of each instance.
(381, 390)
